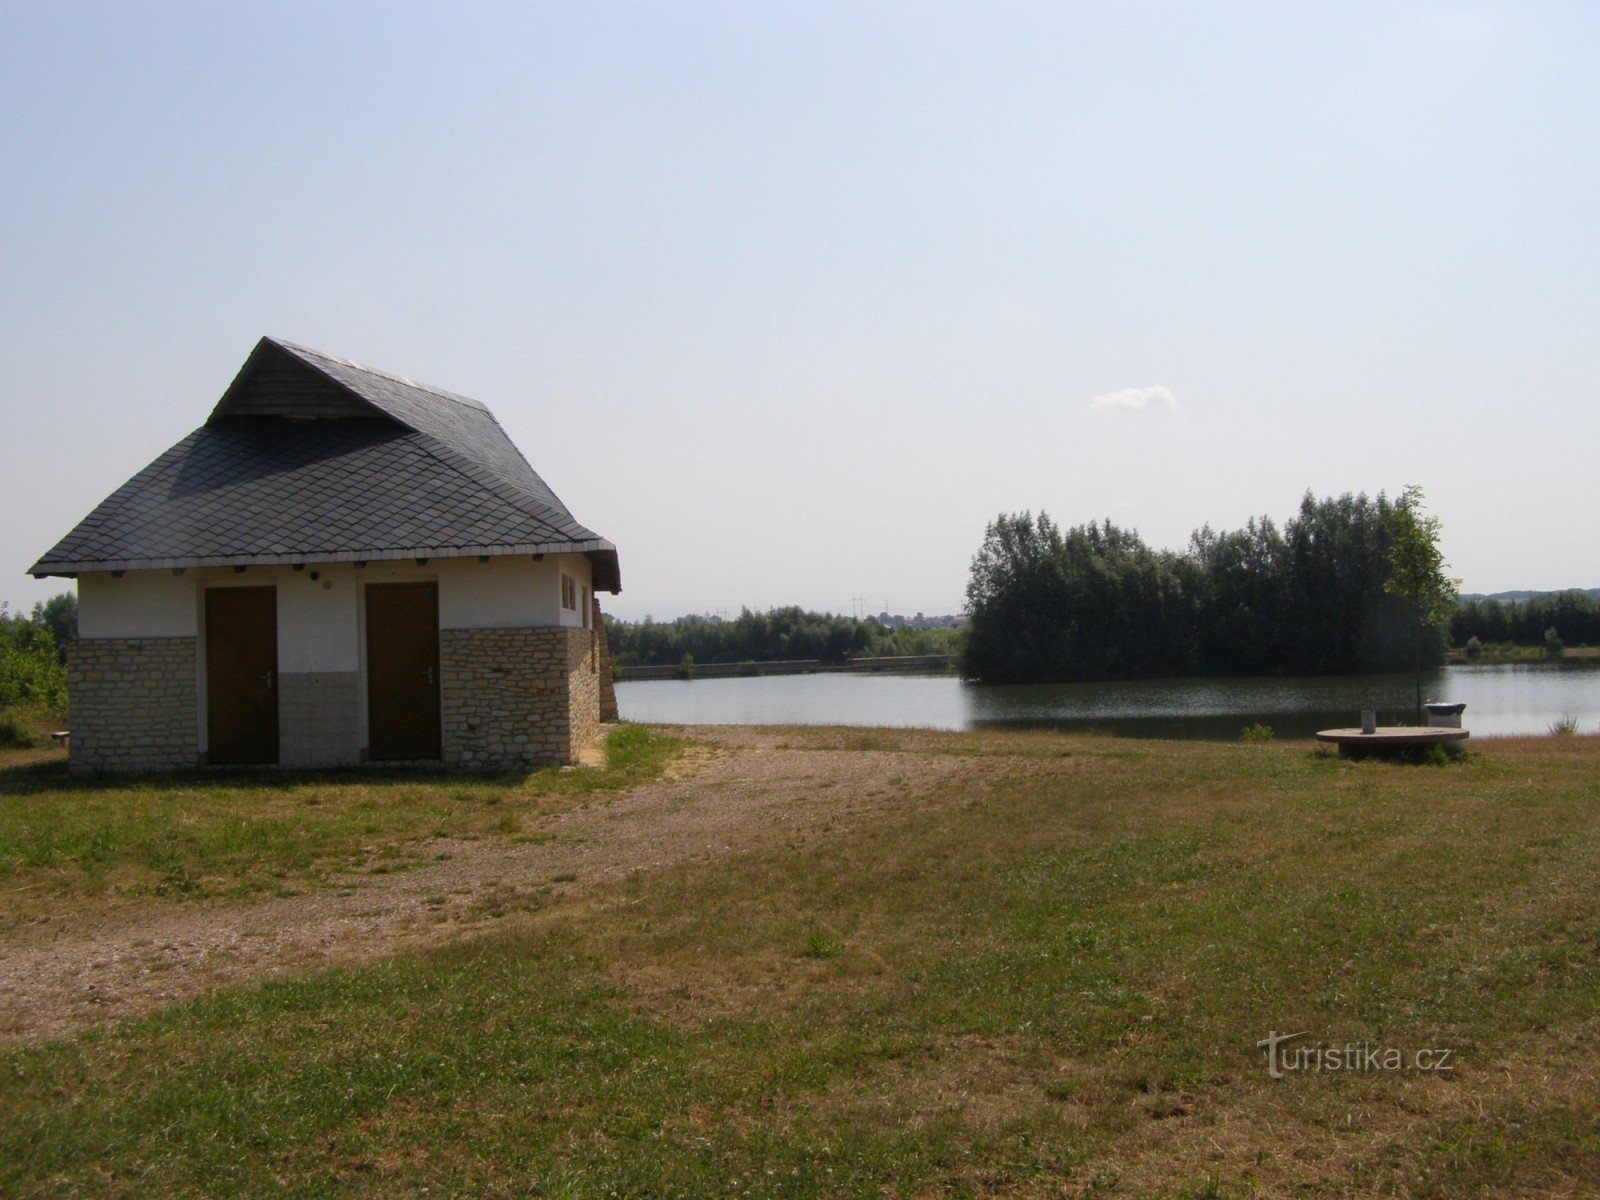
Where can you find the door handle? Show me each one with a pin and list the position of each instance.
(267, 678)
(428, 675)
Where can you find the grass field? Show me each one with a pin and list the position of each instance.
(1043, 974)
(65, 840)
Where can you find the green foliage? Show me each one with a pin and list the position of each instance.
(1552, 642)
(1095, 602)
(686, 666)
(1092, 603)
(1474, 647)
(1256, 733)
(1565, 726)
(777, 634)
(31, 673)
(59, 615)
(1417, 572)
(1574, 615)
(1416, 563)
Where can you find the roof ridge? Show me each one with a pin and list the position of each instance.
(456, 397)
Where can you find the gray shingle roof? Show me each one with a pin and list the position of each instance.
(310, 458)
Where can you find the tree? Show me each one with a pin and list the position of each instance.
(59, 615)
(1016, 595)
(1417, 572)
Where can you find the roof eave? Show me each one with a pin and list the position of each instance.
(596, 549)
(606, 570)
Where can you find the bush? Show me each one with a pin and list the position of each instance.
(30, 672)
(1553, 644)
(1256, 733)
(686, 667)
(1474, 647)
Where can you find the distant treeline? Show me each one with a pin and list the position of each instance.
(1574, 618)
(1095, 602)
(778, 633)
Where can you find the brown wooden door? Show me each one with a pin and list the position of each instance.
(242, 675)
(402, 671)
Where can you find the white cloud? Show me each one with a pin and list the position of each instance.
(1137, 398)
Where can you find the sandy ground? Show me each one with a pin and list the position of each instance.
(745, 789)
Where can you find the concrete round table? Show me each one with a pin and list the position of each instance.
(1390, 737)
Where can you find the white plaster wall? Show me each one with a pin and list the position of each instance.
(503, 593)
(319, 620)
(318, 624)
(578, 566)
(140, 604)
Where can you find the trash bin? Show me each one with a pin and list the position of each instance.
(1444, 716)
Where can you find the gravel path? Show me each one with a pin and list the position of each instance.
(736, 793)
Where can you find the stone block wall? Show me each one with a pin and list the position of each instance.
(608, 683)
(134, 704)
(519, 697)
(583, 689)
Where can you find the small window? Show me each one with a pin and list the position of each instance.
(569, 592)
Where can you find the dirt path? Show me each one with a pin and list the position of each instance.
(742, 792)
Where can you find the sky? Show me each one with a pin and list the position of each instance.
(789, 300)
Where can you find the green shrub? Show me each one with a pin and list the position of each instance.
(686, 666)
(15, 733)
(1564, 727)
(30, 672)
(1474, 647)
(1256, 733)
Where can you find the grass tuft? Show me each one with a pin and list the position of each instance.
(822, 945)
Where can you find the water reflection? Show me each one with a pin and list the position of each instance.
(1501, 700)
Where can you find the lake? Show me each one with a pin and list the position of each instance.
(1501, 699)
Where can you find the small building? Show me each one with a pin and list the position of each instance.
(340, 566)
